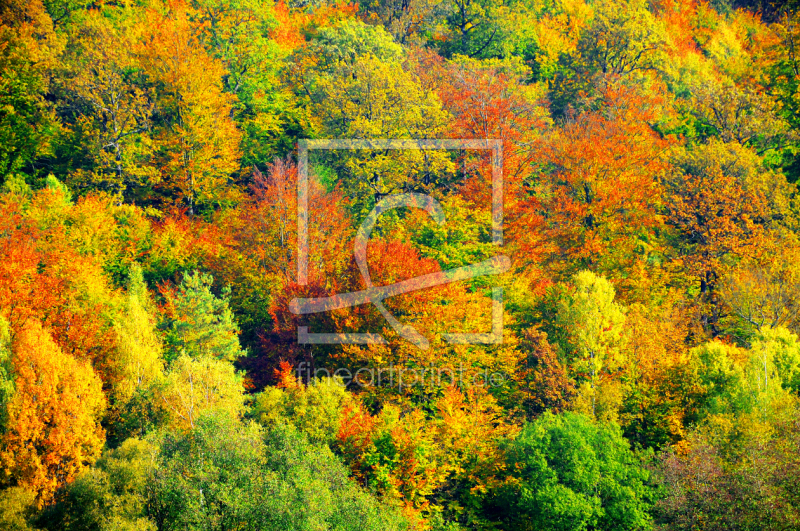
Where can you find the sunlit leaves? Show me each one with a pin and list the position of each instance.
(53, 417)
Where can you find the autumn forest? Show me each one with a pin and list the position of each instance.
(634, 365)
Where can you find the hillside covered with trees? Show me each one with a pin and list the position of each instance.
(151, 376)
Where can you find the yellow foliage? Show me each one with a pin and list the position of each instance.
(195, 386)
(138, 363)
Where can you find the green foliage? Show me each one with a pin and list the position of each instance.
(139, 363)
(252, 479)
(358, 87)
(57, 186)
(574, 474)
(352, 40)
(781, 348)
(27, 123)
(641, 140)
(220, 475)
(199, 323)
(112, 495)
(743, 391)
(15, 185)
(755, 488)
(465, 237)
(110, 143)
(719, 372)
(482, 28)
(623, 39)
(144, 412)
(239, 34)
(193, 387)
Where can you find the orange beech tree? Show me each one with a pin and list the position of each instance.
(53, 427)
(600, 194)
(490, 101)
(723, 211)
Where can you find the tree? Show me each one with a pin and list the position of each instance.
(198, 323)
(259, 261)
(744, 394)
(756, 488)
(741, 114)
(548, 386)
(316, 409)
(445, 463)
(17, 509)
(620, 41)
(572, 473)
(220, 475)
(720, 367)
(53, 417)
(194, 386)
(266, 230)
(782, 68)
(395, 452)
(598, 199)
(479, 28)
(6, 373)
(245, 36)
(198, 145)
(355, 81)
(660, 387)
(766, 294)
(781, 348)
(138, 362)
(111, 109)
(112, 495)
(721, 208)
(47, 274)
(489, 100)
(593, 331)
(28, 48)
(470, 429)
(404, 19)
(255, 479)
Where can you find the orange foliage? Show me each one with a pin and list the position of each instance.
(683, 24)
(718, 217)
(355, 436)
(409, 457)
(43, 277)
(53, 417)
(658, 380)
(258, 258)
(602, 188)
(489, 102)
(294, 25)
(287, 378)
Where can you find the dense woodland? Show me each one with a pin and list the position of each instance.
(150, 372)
